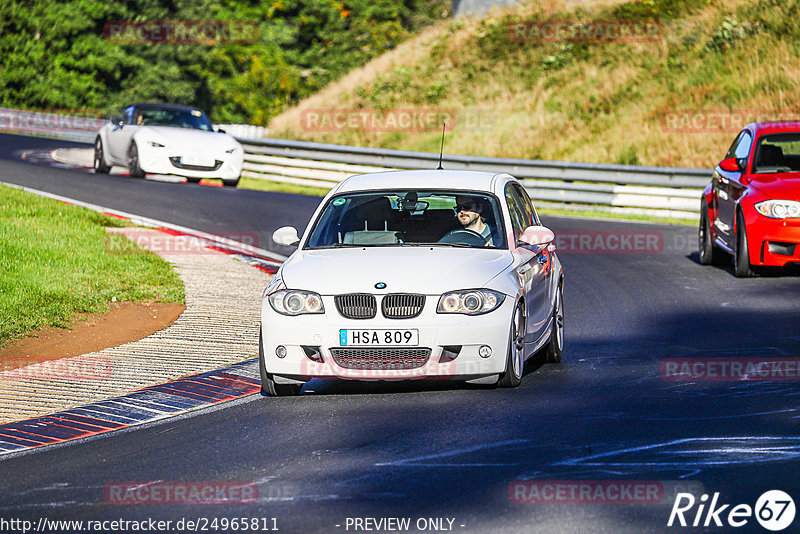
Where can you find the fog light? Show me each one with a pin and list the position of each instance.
(485, 351)
(280, 351)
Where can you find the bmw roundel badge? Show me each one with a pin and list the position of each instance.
(380, 285)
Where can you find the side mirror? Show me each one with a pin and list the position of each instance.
(730, 165)
(286, 236)
(537, 236)
(118, 122)
(220, 130)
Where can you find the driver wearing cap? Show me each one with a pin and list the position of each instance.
(468, 212)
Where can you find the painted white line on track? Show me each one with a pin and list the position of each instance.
(155, 223)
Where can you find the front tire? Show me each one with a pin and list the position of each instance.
(515, 359)
(741, 259)
(99, 163)
(709, 253)
(232, 182)
(555, 348)
(134, 167)
(268, 384)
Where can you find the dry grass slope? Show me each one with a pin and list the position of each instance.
(618, 102)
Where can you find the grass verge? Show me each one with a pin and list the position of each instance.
(281, 187)
(55, 266)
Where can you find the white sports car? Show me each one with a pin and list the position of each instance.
(411, 275)
(168, 139)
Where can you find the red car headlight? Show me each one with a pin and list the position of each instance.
(779, 209)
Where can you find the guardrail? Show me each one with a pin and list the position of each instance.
(629, 189)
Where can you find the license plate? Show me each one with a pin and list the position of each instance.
(369, 338)
(197, 161)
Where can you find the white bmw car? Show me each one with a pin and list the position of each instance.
(168, 139)
(408, 275)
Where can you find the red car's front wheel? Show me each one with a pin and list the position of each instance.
(741, 258)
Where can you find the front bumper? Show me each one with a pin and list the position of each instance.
(772, 242)
(161, 160)
(437, 332)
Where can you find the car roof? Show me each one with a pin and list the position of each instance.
(420, 179)
(775, 127)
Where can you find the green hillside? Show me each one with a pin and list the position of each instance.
(674, 100)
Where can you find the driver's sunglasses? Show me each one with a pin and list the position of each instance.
(469, 206)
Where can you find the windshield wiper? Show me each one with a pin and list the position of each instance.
(458, 245)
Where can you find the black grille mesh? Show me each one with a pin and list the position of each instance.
(402, 306)
(356, 305)
(381, 359)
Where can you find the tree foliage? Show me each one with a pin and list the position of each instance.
(55, 56)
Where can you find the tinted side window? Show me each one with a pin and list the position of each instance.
(732, 149)
(531, 218)
(743, 146)
(517, 215)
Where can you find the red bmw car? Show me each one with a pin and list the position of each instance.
(751, 208)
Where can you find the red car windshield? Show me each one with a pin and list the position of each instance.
(778, 153)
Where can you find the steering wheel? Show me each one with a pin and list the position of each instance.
(464, 237)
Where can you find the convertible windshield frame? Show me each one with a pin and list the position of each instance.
(196, 117)
(407, 222)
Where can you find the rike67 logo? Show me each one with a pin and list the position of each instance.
(774, 510)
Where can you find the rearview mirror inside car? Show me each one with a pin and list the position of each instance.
(286, 236)
(412, 205)
(537, 236)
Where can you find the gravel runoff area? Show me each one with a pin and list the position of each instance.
(219, 327)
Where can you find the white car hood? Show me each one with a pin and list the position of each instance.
(409, 269)
(195, 141)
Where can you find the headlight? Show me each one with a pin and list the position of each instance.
(779, 209)
(294, 302)
(155, 144)
(470, 301)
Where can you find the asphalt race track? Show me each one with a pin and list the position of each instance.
(609, 415)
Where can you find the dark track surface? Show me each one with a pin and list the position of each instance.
(443, 450)
(216, 210)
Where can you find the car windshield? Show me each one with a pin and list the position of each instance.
(407, 218)
(778, 153)
(179, 118)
